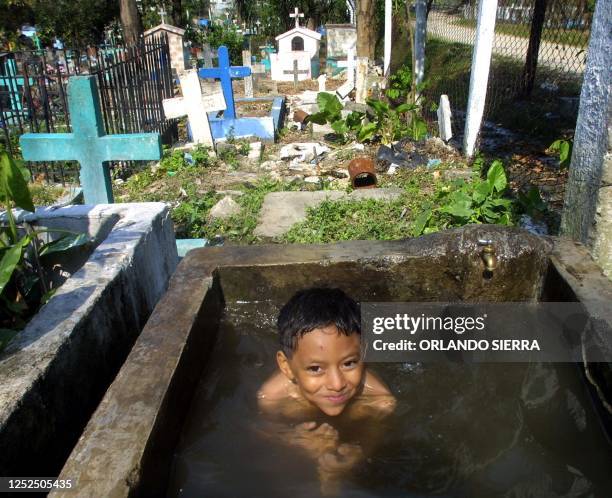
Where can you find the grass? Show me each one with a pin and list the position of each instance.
(369, 219)
(44, 194)
(575, 37)
(447, 70)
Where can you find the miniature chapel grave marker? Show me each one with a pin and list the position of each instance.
(88, 143)
(226, 73)
(195, 106)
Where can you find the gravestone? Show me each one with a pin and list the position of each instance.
(195, 106)
(298, 44)
(248, 81)
(12, 82)
(207, 55)
(321, 80)
(444, 119)
(226, 73)
(88, 143)
(339, 38)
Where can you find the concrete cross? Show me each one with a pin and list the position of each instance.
(444, 119)
(296, 15)
(162, 13)
(350, 64)
(88, 143)
(195, 107)
(248, 81)
(12, 82)
(225, 73)
(296, 73)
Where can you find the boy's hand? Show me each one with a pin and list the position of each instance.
(315, 440)
(333, 464)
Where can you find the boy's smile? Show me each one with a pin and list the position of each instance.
(326, 368)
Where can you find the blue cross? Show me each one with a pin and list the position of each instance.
(225, 73)
(88, 143)
(12, 82)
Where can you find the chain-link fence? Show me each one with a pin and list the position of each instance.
(538, 60)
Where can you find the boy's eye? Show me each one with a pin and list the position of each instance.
(350, 363)
(314, 368)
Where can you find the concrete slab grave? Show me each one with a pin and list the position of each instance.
(54, 372)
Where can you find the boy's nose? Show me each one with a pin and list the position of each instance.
(335, 380)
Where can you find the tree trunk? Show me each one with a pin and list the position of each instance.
(130, 21)
(535, 35)
(177, 13)
(366, 28)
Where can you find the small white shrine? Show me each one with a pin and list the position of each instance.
(298, 44)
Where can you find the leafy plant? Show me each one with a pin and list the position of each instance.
(23, 283)
(478, 201)
(564, 149)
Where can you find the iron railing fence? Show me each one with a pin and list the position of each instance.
(132, 83)
(531, 88)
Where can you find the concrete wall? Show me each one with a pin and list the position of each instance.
(339, 36)
(54, 373)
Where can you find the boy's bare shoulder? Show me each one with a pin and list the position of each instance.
(274, 389)
(376, 399)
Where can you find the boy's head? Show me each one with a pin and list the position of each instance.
(320, 338)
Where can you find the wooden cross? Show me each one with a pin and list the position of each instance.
(195, 106)
(296, 15)
(296, 73)
(88, 143)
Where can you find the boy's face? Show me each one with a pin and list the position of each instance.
(326, 367)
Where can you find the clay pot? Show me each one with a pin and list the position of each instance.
(362, 173)
(300, 116)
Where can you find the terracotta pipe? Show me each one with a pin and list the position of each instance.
(362, 173)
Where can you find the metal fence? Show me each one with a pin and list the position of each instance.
(132, 82)
(538, 60)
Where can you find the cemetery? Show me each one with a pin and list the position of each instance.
(169, 186)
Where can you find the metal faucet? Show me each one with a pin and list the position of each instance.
(488, 254)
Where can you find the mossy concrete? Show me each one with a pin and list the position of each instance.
(127, 447)
(54, 373)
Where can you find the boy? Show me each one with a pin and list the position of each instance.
(321, 371)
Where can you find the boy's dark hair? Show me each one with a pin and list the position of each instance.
(314, 308)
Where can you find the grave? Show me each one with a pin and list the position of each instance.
(299, 45)
(88, 143)
(195, 106)
(229, 124)
(12, 82)
(56, 370)
(340, 38)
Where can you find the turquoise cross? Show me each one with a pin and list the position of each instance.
(88, 143)
(12, 82)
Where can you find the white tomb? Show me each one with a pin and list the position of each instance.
(298, 44)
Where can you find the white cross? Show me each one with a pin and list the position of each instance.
(350, 64)
(195, 106)
(162, 13)
(296, 14)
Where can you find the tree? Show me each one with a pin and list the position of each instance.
(130, 20)
(366, 28)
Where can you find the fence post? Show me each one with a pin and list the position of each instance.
(587, 212)
(420, 34)
(388, 36)
(481, 62)
(535, 35)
